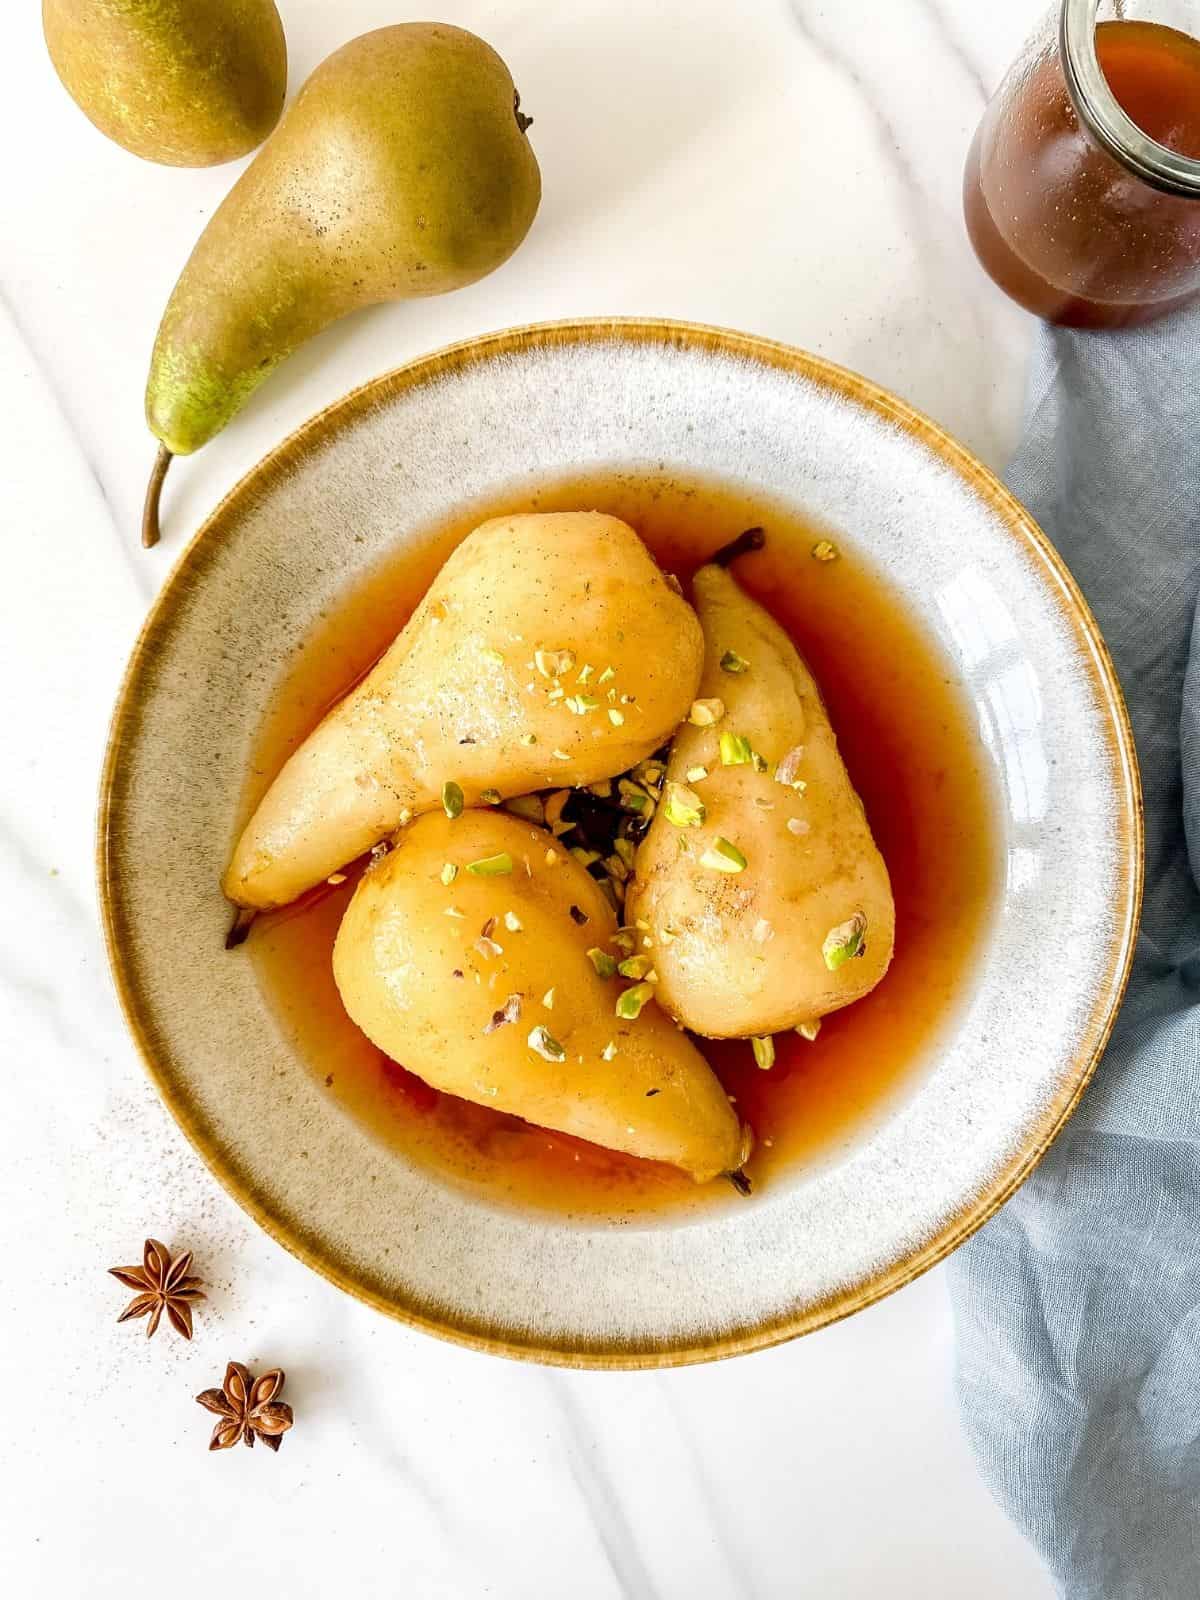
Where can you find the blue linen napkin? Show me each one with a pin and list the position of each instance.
(1078, 1306)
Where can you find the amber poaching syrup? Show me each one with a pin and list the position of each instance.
(1056, 221)
(909, 741)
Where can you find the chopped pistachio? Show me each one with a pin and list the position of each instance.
(636, 967)
(624, 940)
(763, 931)
(809, 1030)
(557, 693)
(584, 857)
(580, 704)
(510, 1011)
(489, 654)
(528, 739)
(560, 755)
(734, 663)
(617, 718)
(452, 799)
(455, 911)
(497, 866)
(735, 750)
(624, 849)
(696, 774)
(845, 942)
(642, 924)
(548, 999)
(334, 878)
(405, 816)
(553, 663)
(616, 868)
(683, 807)
(764, 1052)
(667, 936)
(633, 798)
(513, 922)
(759, 763)
(604, 964)
(584, 672)
(705, 713)
(722, 856)
(609, 1051)
(488, 948)
(490, 797)
(788, 770)
(606, 676)
(449, 873)
(798, 825)
(543, 1043)
(825, 550)
(528, 807)
(629, 1004)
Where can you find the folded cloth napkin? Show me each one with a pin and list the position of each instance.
(1078, 1305)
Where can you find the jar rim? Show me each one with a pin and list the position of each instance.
(1101, 111)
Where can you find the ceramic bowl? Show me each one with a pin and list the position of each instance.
(400, 455)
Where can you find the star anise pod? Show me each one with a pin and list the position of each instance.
(248, 1408)
(162, 1284)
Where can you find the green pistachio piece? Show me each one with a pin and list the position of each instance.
(604, 964)
(845, 942)
(497, 866)
(735, 750)
(452, 799)
(764, 1052)
(723, 856)
(543, 1043)
(629, 1004)
(683, 807)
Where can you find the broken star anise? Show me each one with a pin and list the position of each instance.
(162, 1284)
(248, 1408)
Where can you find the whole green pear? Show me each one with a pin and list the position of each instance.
(188, 83)
(402, 169)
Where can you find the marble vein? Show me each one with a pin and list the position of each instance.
(599, 1495)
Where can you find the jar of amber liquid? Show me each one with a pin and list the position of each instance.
(1082, 189)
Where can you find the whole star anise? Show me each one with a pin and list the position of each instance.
(162, 1284)
(248, 1408)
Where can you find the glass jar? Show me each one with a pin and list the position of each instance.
(1082, 189)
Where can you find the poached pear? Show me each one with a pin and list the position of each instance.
(402, 169)
(549, 651)
(188, 83)
(769, 901)
(464, 955)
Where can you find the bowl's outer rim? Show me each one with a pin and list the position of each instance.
(615, 1355)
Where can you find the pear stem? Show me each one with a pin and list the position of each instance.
(151, 532)
(740, 1181)
(752, 539)
(244, 919)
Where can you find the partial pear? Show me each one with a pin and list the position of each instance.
(768, 900)
(549, 651)
(464, 955)
(402, 169)
(187, 83)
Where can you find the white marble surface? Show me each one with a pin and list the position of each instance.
(789, 169)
